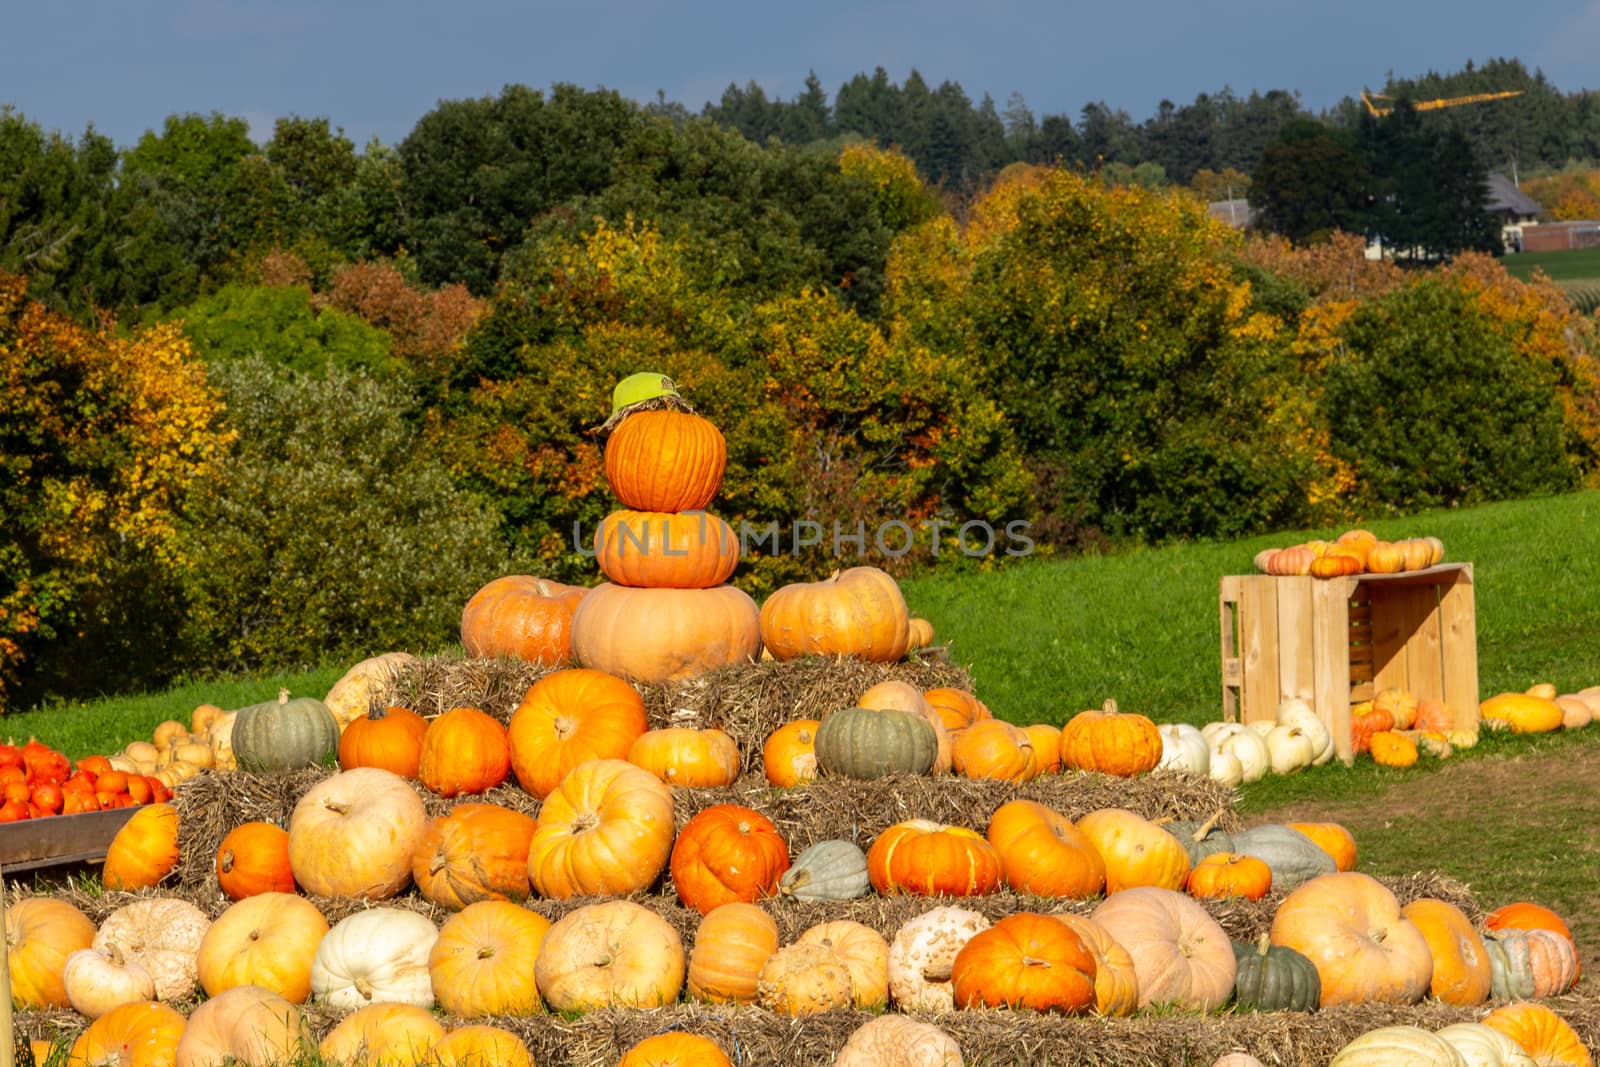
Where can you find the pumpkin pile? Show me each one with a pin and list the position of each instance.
(36, 781)
(1355, 551)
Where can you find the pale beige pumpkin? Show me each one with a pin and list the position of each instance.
(1350, 926)
(803, 979)
(97, 980)
(377, 956)
(922, 952)
(246, 1026)
(898, 1041)
(614, 954)
(1181, 956)
(165, 935)
(660, 635)
(353, 834)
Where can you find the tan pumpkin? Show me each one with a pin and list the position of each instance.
(682, 756)
(1181, 956)
(384, 1035)
(359, 690)
(804, 979)
(1116, 979)
(922, 952)
(672, 550)
(613, 954)
(97, 980)
(41, 933)
(856, 612)
(607, 829)
(569, 717)
(1350, 926)
(897, 1041)
(474, 852)
(267, 940)
(376, 956)
(522, 617)
(479, 964)
(353, 834)
(165, 935)
(731, 945)
(663, 635)
(246, 1026)
(865, 954)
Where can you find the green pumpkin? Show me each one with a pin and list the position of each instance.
(285, 735)
(1293, 857)
(1201, 839)
(862, 743)
(1274, 978)
(1510, 969)
(828, 870)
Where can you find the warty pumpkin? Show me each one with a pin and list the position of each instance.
(522, 617)
(666, 550)
(898, 1041)
(727, 853)
(479, 965)
(864, 953)
(921, 955)
(804, 979)
(855, 612)
(662, 635)
(164, 934)
(569, 717)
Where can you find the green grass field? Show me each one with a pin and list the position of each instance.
(1578, 264)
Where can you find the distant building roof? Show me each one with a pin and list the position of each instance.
(1505, 196)
(1235, 213)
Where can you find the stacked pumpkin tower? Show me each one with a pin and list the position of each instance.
(666, 610)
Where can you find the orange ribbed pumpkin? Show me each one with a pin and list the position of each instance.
(1111, 742)
(141, 1034)
(731, 945)
(570, 717)
(673, 550)
(856, 612)
(390, 738)
(1043, 854)
(474, 852)
(727, 853)
(926, 858)
(464, 751)
(659, 635)
(1461, 969)
(1025, 961)
(958, 708)
(40, 934)
(665, 461)
(523, 617)
(606, 830)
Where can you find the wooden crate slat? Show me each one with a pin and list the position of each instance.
(1458, 637)
(1258, 631)
(1296, 615)
(1232, 674)
(1423, 652)
(1331, 654)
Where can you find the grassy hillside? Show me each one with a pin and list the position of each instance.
(1573, 265)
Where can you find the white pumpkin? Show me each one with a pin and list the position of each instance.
(98, 980)
(1288, 749)
(375, 956)
(1251, 748)
(1292, 708)
(921, 954)
(898, 1041)
(1484, 1046)
(1317, 730)
(1184, 748)
(164, 935)
(1214, 732)
(1262, 726)
(1389, 1046)
(1226, 768)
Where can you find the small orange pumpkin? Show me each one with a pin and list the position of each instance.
(681, 756)
(569, 717)
(1111, 742)
(145, 850)
(1043, 853)
(727, 853)
(789, 756)
(254, 858)
(1391, 748)
(390, 738)
(957, 707)
(1229, 874)
(472, 853)
(464, 751)
(668, 460)
(993, 748)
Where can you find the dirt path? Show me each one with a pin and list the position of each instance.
(1514, 828)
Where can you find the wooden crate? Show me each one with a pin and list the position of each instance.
(58, 839)
(1337, 641)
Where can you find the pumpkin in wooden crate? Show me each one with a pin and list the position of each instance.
(243, 1025)
(613, 954)
(675, 1049)
(254, 858)
(1543, 1034)
(898, 1041)
(138, 1035)
(480, 1045)
(691, 758)
(479, 964)
(804, 979)
(285, 735)
(994, 749)
(665, 460)
(662, 635)
(1462, 973)
(389, 737)
(41, 932)
(731, 945)
(266, 940)
(521, 617)
(921, 953)
(474, 852)
(864, 952)
(789, 756)
(607, 829)
(1116, 980)
(97, 980)
(1274, 978)
(726, 853)
(144, 851)
(1136, 851)
(1229, 874)
(1180, 954)
(1042, 853)
(390, 1035)
(865, 744)
(1025, 961)
(379, 955)
(926, 858)
(465, 750)
(1365, 723)
(670, 550)
(165, 935)
(1349, 924)
(831, 870)
(569, 717)
(353, 834)
(1111, 742)
(855, 612)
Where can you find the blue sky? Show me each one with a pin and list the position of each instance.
(374, 68)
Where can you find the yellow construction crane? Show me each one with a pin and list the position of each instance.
(1432, 105)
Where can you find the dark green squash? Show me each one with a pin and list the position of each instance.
(285, 734)
(1274, 978)
(863, 743)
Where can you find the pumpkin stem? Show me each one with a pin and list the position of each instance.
(1207, 826)
(1263, 943)
(1110, 706)
(669, 402)
(283, 696)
